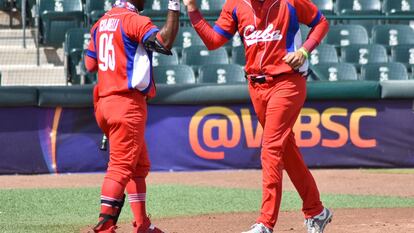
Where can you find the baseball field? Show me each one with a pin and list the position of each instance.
(365, 201)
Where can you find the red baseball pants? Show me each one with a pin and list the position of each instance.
(277, 104)
(122, 117)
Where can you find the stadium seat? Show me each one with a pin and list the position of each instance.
(403, 54)
(364, 54)
(57, 17)
(156, 8)
(357, 6)
(76, 40)
(384, 71)
(360, 7)
(4, 5)
(163, 60)
(325, 6)
(95, 9)
(174, 74)
(304, 31)
(211, 7)
(186, 37)
(197, 56)
(221, 74)
(78, 69)
(398, 7)
(236, 41)
(324, 53)
(335, 72)
(345, 35)
(238, 56)
(393, 35)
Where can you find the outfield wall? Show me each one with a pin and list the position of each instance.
(193, 127)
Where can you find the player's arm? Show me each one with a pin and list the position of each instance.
(215, 37)
(168, 32)
(308, 14)
(161, 41)
(91, 62)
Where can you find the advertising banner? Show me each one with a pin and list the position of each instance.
(182, 138)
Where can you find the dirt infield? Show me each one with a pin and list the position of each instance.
(329, 181)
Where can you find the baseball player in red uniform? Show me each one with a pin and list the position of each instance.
(121, 51)
(276, 67)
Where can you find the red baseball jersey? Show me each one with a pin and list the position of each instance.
(117, 45)
(269, 29)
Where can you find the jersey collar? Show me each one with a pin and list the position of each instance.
(125, 4)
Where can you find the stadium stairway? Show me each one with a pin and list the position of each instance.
(18, 65)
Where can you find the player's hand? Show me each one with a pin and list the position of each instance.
(191, 5)
(295, 59)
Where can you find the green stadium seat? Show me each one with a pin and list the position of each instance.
(90, 78)
(345, 35)
(392, 35)
(156, 8)
(211, 7)
(57, 17)
(76, 41)
(236, 41)
(221, 74)
(363, 54)
(324, 53)
(412, 73)
(78, 69)
(4, 5)
(304, 31)
(398, 7)
(335, 72)
(197, 56)
(360, 7)
(187, 37)
(238, 56)
(174, 74)
(163, 60)
(325, 6)
(384, 71)
(403, 54)
(95, 9)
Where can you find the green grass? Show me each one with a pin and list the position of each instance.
(391, 171)
(66, 210)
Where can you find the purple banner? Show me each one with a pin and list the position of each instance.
(330, 134)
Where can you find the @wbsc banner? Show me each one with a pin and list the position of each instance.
(182, 138)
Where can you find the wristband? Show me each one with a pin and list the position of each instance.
(174, 5)
(304, 52)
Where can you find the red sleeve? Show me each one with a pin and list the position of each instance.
(223, 30)
(316, 35)
(91, 64)
(139, 28)
(309, 14)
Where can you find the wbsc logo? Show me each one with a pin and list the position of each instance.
(214, 130)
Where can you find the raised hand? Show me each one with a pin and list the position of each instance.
(191, 5)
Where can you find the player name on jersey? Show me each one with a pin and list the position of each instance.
(108, 25)
(252, 36)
